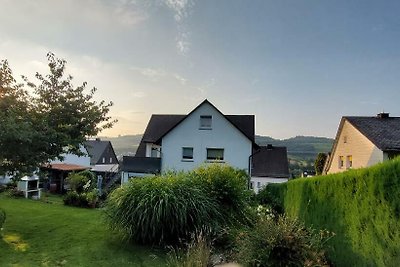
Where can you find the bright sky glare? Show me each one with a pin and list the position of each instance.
(298, 65)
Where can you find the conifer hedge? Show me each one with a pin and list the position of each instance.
(361, 206)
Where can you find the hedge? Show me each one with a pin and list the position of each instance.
(362, 207)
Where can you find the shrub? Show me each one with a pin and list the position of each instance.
(228, 187)
(196, 254)
(281, 242)
(83, 181)
(72, 198)
(270, 196)
(361, 206)
(161, 210)
(15, 193)
(2, 218)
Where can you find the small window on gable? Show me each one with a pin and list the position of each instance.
(110, 160)
(215, 154)
(187, 153)
(205, 122)
(345, 139)
(341, 162)
(104, 160)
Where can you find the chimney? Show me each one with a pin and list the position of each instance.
(98, 139)
(269, 146)
(382, 115)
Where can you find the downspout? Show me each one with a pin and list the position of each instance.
(250, 166)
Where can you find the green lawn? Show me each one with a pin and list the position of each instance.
(37, 233)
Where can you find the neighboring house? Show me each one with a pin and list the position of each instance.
(184, 142)
(102, 156)
(363, 142)
(269, 164)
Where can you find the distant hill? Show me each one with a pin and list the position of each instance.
(302, 150)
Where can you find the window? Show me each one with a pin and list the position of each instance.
(251, 185)
(110, 160)
(349, 163)
(104, 160)
(187, 153)
(345, 139)
(258, 184)
(205, 122)
(215, 154)
(341, 162)
(154, 152)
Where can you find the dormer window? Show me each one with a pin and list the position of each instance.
(205, 122)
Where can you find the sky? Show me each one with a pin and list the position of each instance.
(297, 65)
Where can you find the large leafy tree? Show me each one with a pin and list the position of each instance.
(55, 118)
(320, 163)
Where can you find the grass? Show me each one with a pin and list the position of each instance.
(38, 233)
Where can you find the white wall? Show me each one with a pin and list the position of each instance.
(261, 182)
(74, 159)
(237, 147)
(5, 179)
(363, 151)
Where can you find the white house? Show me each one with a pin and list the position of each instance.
(184, 142)
(363, 142)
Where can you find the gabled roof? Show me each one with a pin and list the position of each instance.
(160, 125)
(96, 148)
(244, 123)
(270, 161)
(382, 132)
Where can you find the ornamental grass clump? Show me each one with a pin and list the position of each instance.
(228, 187)
(161, 210)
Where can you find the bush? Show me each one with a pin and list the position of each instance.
(161, 210)
(72, 198)
(361, 206)
(15, 193)
(2, 218)
(270, 196)
(281, 242)
(228, 187)
(196, 254)
(83, 181)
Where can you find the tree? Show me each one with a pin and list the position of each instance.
(320, 163)
(57, 118)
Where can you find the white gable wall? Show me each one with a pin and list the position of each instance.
(258, 183)
(363, 151)
(237, 147)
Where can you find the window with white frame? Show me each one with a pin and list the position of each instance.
(215, 154)
(187, 153)
(258, 184)
(205, 122)
(104, 160)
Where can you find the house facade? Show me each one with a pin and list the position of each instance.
(363, 142)
(184, 142)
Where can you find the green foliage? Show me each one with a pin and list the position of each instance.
(83, 192)
(15, 193)
(2, 218)
(196, 254)
(228, 187)
(42, 126)
(320, 163)
(281, 242)
(270, 195)
(361, 206)
(161, 210)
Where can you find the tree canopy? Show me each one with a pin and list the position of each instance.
(320, 163)
(54, 118)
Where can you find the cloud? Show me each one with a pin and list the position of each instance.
(158, 74)
(181, 10)
(182, 80)
(138, 94)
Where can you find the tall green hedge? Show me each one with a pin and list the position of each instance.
(361, 206)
